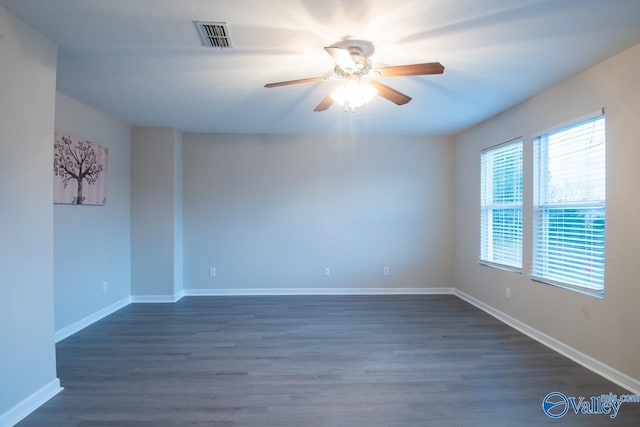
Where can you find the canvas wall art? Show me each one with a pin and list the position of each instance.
(79, 171)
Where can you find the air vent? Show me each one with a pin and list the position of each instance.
(214, 34)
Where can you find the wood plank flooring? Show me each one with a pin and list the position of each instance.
(395, 361)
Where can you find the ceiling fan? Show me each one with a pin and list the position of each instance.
(352, 59)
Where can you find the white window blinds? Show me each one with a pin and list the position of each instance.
(501, 205)
(569, 210)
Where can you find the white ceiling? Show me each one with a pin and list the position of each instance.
(141, 60)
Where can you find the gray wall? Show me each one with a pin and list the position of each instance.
(155, 189)
(27, 97)
(272, 211)
(178, 253)
(606, 329)
(92, 243)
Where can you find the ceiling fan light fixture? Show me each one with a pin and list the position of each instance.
(354, 94)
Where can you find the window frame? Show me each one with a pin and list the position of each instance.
(540, 204)
(487, 207)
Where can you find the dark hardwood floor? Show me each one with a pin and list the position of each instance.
(352, 361)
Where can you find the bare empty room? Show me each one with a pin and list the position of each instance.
(234, 213)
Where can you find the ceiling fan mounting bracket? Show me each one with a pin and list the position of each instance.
(361, 47)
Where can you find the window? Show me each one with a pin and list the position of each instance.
(569, 210)
(501, 205)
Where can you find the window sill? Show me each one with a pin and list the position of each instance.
(579, 289)
(502, 267)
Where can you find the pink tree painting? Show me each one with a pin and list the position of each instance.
(79, 171)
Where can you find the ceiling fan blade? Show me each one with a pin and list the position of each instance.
(390, 94)
(341, 56)
(411, 70)
(324, 104)
(295, 82)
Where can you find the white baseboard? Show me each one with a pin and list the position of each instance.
(88, 320)
(14, 415)
(137, 299)
(602, 369)
(318, 291)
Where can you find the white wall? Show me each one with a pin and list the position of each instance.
(272, 211)
(92, 243)
(156, 262)
(27, 97)
(606, 329)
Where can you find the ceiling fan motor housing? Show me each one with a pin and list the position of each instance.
(361, 64)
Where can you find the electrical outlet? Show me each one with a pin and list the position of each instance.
(327, 271)
(212, 272)
(105, 286)
(507, 292)
(386, 271)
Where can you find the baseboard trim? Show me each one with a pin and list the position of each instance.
(71, 329)
(602, 369)
(16, 414)
(318, 291)
(149, 299)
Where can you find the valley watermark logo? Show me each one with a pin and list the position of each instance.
(557, 405)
